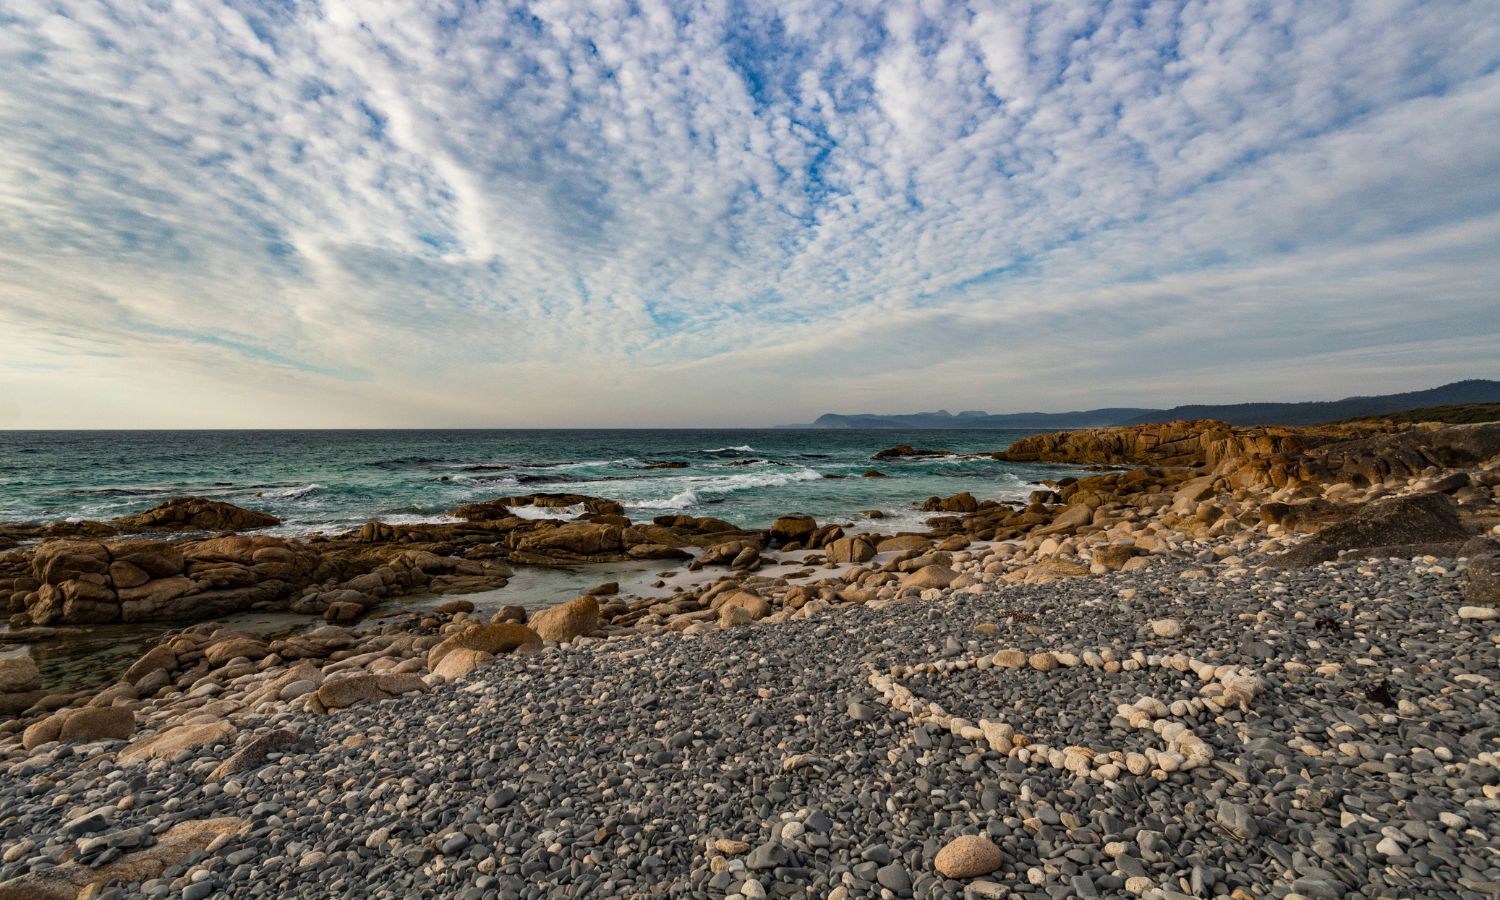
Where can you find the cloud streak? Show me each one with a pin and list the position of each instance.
(569, 213)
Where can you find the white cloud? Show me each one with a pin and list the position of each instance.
(562, 212)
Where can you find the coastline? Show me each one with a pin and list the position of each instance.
(1188, 563)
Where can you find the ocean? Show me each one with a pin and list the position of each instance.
(333, 480)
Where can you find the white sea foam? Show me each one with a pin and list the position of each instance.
(547, 512)
(700, 488)
(294, 492)
(743, 448)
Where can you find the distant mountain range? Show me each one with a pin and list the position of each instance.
(1474, 390)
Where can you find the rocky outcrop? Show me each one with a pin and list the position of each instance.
(197, 514)
(1370, 460)
(1181, 443)
(82, 582)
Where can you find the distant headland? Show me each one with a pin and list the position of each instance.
(1459, 393)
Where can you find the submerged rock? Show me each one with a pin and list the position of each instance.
(197, 514)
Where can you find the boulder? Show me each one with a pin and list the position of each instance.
(1390, 524)
(509, 613)
(343, 611)
(18, 672)
(753, 606)
(574, 538)
(856, 549)
(929, 577)
(958, 503)
(97, 723)
(344, 692)
(44, 732)
(565, 622)
(454, 607)
(459, 663)
(55, 562)
(197, 514)
(173, 741)
(253, 755)
(1114, 556)
(792, 529)
(222, 651)
(1482, 587)
(968, 856)
(159, 658)
(497, 637)
(902, 451)
(904, 543)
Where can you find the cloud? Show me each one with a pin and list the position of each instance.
(569, 213)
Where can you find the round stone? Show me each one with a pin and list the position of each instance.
(968, 856)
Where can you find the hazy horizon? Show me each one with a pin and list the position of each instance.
(724, 215)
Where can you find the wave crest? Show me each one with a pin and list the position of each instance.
(713, 489)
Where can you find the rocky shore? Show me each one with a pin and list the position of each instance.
(1259, 663)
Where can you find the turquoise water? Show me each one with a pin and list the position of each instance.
(328, 480)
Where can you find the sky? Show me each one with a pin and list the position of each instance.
(594, 213)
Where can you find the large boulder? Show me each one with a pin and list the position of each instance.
(233, 647)
(18, 672)
(571, 538)
(929, 577)
(855, 549)
(741, 606)
(343, 692)
(96, 723)
(563, 623)
(91, 723)
(197, 514)
(494, 638)
(159, 658)
(903, 543)
(792, 529)
(958, 503)
(461, 662)
(1398, 526)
